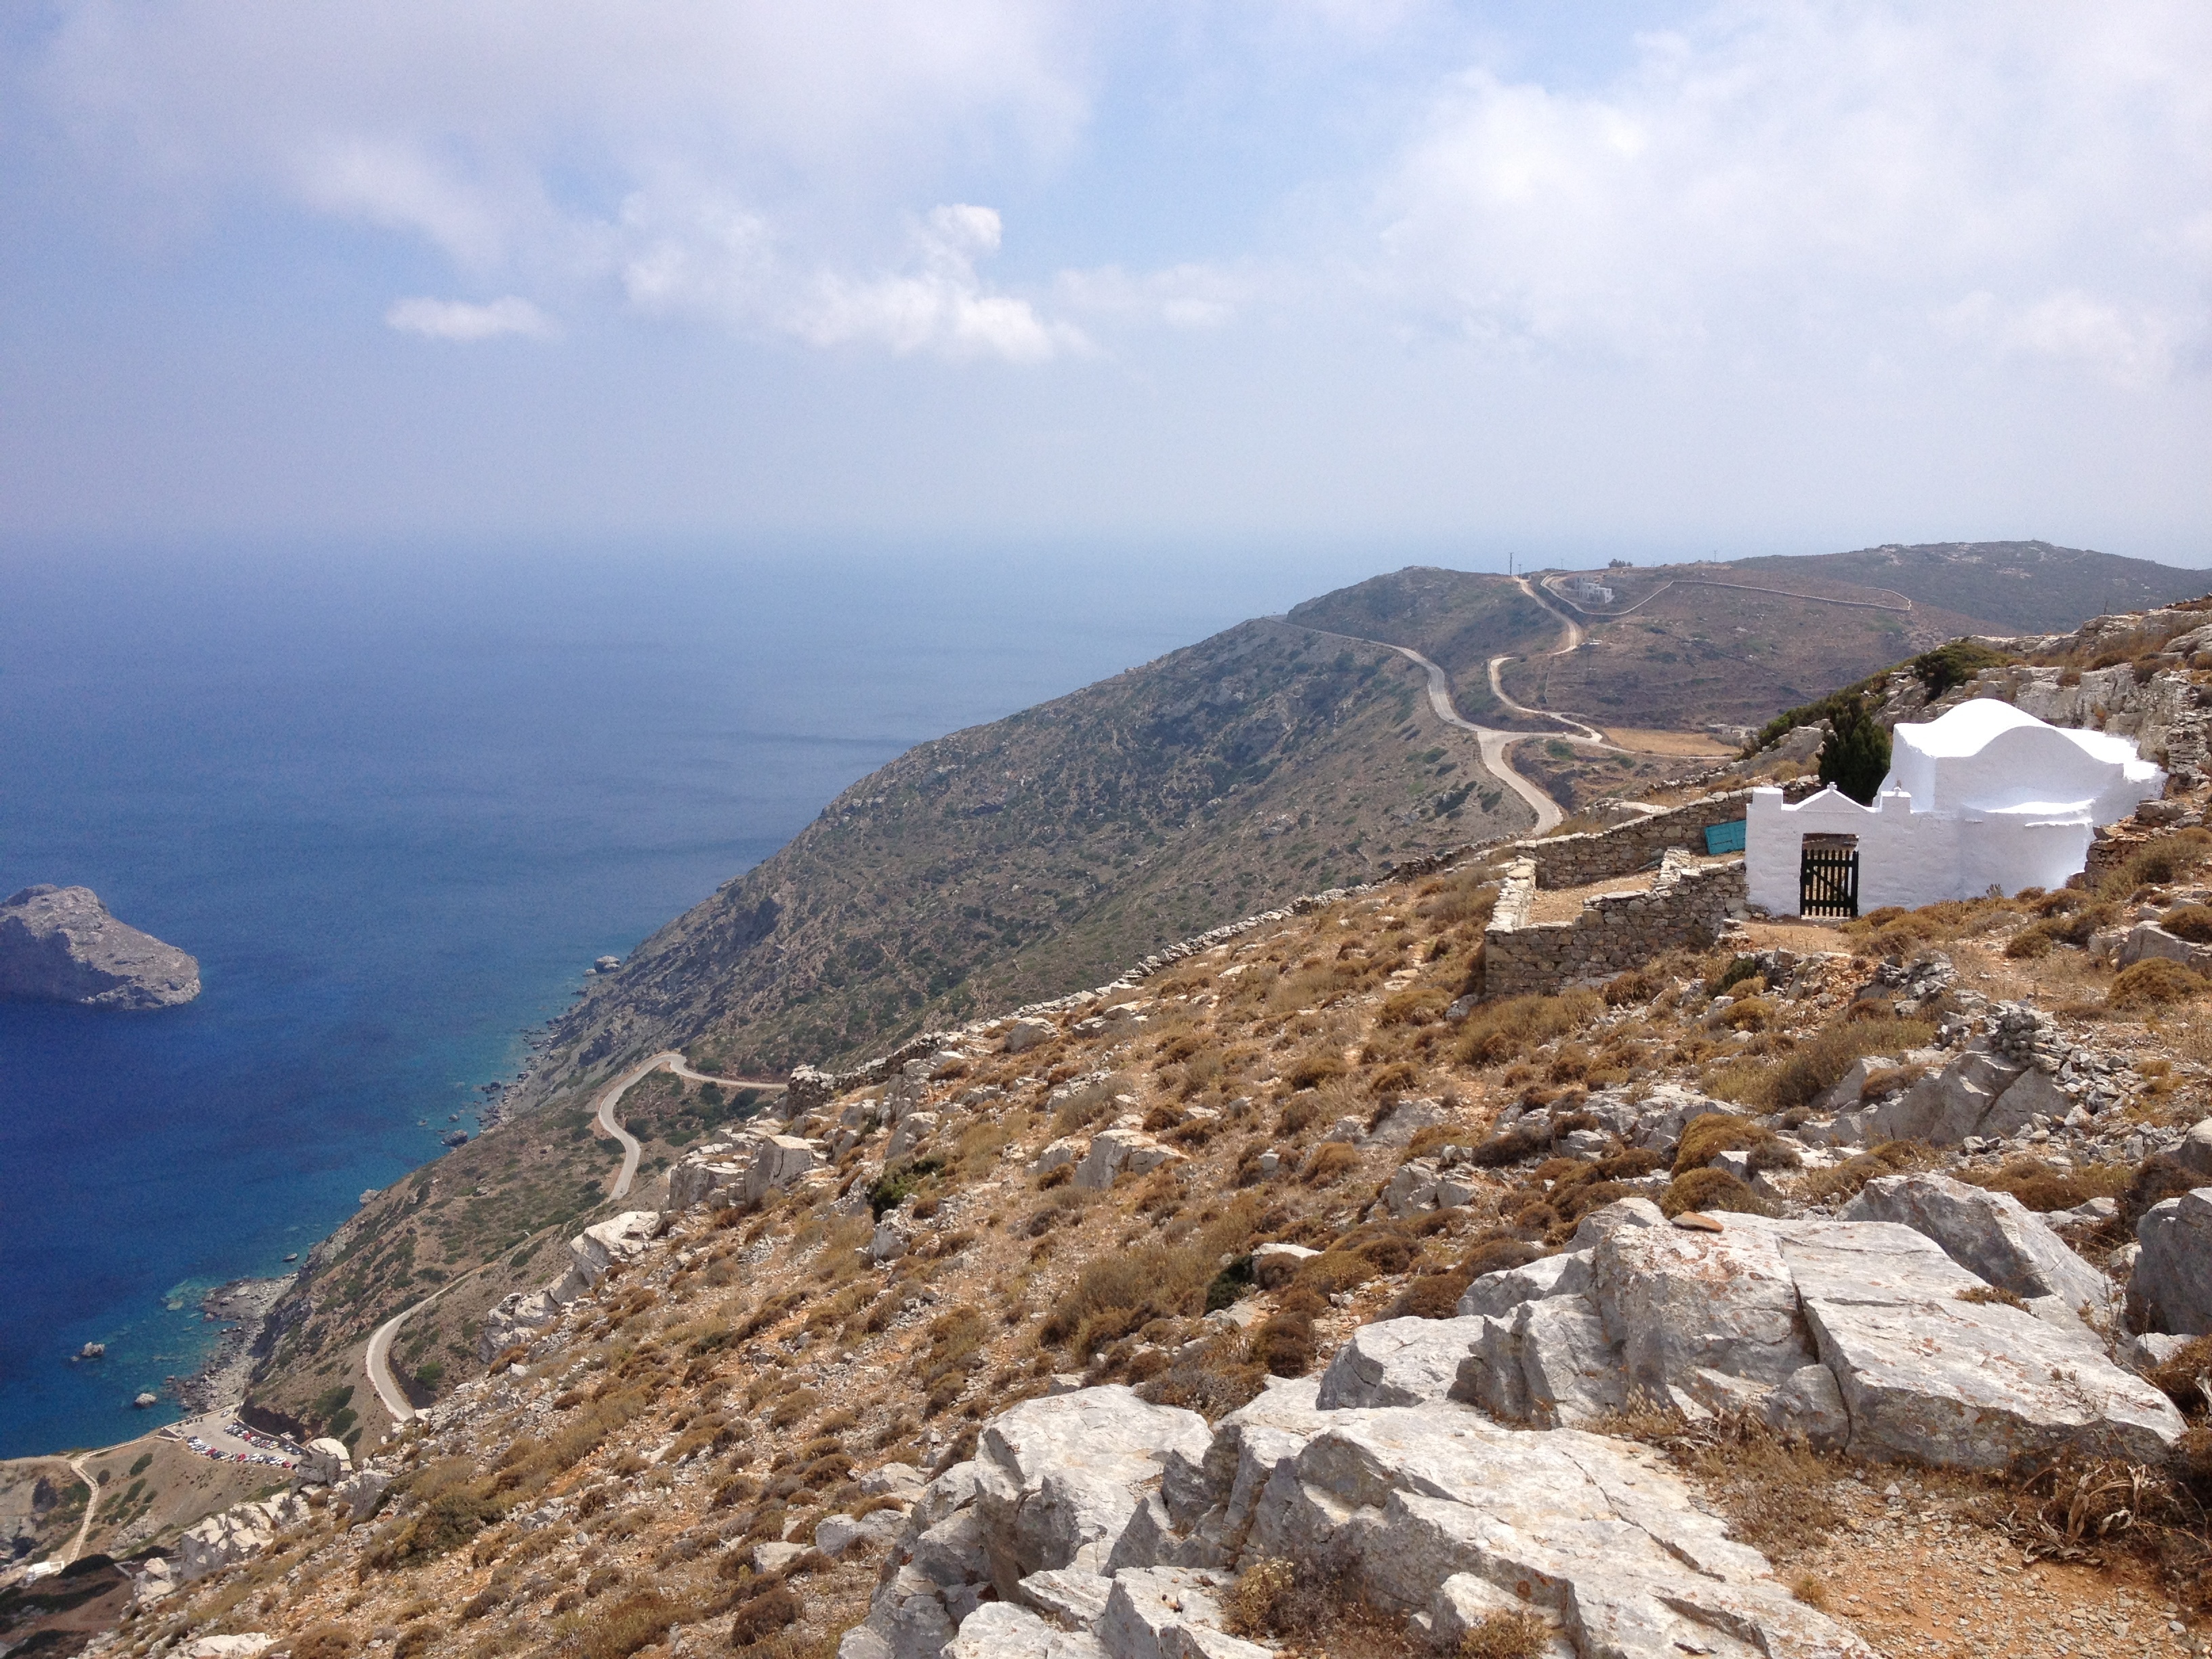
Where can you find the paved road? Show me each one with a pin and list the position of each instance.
(1489, 739)
(377, 1360)
(1585, 735)
(91, 1503)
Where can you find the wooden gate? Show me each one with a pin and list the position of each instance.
(1828, 879)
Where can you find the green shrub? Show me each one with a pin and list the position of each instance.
(897, 1184)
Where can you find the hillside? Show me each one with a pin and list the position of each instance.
(896, 1393)
(2011, 586)
(1028, 857)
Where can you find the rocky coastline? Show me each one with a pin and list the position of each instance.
(244, 1305)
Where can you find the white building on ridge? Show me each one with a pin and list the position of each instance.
(1985, 796)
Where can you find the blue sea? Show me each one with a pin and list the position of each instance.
(396, 800)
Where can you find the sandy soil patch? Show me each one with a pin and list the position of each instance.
(1645, 741)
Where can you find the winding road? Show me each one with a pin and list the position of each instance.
(1489, 739)
(377, 1359)
(91, 1503)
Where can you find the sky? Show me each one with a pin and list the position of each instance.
(1650, 280)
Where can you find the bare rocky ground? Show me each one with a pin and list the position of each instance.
(937, 1364)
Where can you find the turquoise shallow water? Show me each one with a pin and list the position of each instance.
(396, 803)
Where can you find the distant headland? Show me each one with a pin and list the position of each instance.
(60, 945)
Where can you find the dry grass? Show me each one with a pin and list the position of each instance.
(2155, 982)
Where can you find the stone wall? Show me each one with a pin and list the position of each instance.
(1687, 906)
(1602, 854)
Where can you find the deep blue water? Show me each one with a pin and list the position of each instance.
(395, 802)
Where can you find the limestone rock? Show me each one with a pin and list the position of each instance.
(1000, 1630)
(1024, 1035)
(1068, 1595)
(2194, 1149)
(1397, 1362)
(1606, 1539)
(60, 945)
(2171, 1282)
(244, 1646)
(326, 1464)
(1680, 1301)
(1497, 1293)
(1120, 1151)
(235, 1535)
(913, 1129)
(835, 1533)
(1167, 1613)
(1991, 1235)
(1398, 1125)
(775, 1556)
(1929, 1377)
(1073, 1465)
(900, 1480)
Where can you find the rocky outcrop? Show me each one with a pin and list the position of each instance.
(60, 945)
(1866, 1335)
(520, 1316)
(1993, 1236)
(235, 1535)
(2170, 1284)
(742, 1170)
(1109, 1530)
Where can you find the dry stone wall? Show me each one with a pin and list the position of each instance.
(1687, 906)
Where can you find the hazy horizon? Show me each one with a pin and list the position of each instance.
(1652, 282)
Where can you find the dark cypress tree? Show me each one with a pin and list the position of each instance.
(1855, 757)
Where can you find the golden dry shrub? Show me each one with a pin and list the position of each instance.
(634, 1621)
(1506, 1635)
(1710, 1133)
(1750, 1013)
(322, 1641)
(2154, 982)
(1819, 1063)
(1256, 1602)
(2190, 921)
(1329, 1165)
(1510, 1028)
(1710, 1190)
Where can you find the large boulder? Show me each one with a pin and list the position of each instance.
(1929, 1372)
(2172, 1283)
(1992, 1235)
(1436, 1510)
(1056, 1486)
(1977, 1094)
(1120, 1151)
(1679, 1301)
(2193, 1152)
(1398, 1362)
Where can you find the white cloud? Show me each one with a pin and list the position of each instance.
(730, 161)
(1185, 296)
(1787, 176)
(460, 319)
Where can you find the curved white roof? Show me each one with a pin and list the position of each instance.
(1969, 728)
(1990, 757)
